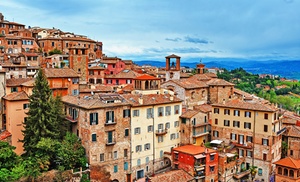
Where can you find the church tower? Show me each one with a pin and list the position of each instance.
(172, 68)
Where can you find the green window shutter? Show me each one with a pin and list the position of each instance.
(96, 118)
(91, 118)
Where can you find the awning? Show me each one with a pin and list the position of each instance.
(199, 168)
(213, 154)
(216, 142)
(230, 155)
(199, 156)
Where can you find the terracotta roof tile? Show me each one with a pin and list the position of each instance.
(150, 99)
(256, 106)
(293, 131)
(242, 93)
(99, 88)
(172, 56)
(200, 77)
(189, 113)
(5, 134)
(29, 83)
(170, 176)
(16, 96)
(124, 74)
(60, 73)
(96, 68)
(189, 84)
(17, 81)
(193, 149)
(289, 162)
(146, 77)
(219, 82)
(204, 108)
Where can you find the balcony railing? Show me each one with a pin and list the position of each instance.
(199, 125)
(199, 134)
(111, 142)
(72, 119)
(241, 174)
(107, 123)
(161, 131)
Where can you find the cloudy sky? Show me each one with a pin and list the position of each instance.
(144, 29)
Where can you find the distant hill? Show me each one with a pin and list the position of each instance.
(284, 68)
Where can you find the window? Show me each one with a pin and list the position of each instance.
(168, 110)
(147, 146)
(136, 113)
(125, 166)
(167, 125)
(236, 124)
(110, 117)
(75, 92)
(150, 128)
(115, 168)
(285, 171)
(115, 154)
(147, 160)
(291, 152)
(260, 171)
(249, 153)
(160, 139)
(247, 125)
(265, 128)
(226, 111)
(216, 121)
(161, 154)
(52, 44)
(125, 153)
(94, 137)
(241, 139)
(138, 148)
(216, 110)
(160, 111)
(212, 157)
(126, 113)
(176, 109)
(279, 170)
(101, 157)
(160, 126)
(139, 162)
(25, 106)
(176, 123)
(266, 116)
(247, 114)
(264, 156)
(14, 89)
(149, 113)
(75, 80)
(241, 152)
(126, 132)
(226, 123)
(93, 118)
(216, 134)
(211, 168)
(249, 139)
(233, 136)
(137, 130)
(110, 137)
(183, 120)
(172, 136)
(194, 121)
(236, 113)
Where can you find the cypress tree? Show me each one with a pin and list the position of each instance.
(42, 119)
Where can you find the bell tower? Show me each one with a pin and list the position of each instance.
(172, 68)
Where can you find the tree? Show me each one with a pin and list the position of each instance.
(284, 149)
(41, 121)
(55, 51)
(58, 110)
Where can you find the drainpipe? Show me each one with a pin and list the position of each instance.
(153, 140)
(253, 139)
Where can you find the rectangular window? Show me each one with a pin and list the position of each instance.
(115, 168)
(160, 111)
(211, 168)
(110, 137)
(247, 114)
(176, 109)
(110, 117)
(226, 123)
(75, 80)
(247, 125)
(212, 157)
(167, 125)
(265, 141)
(150, 128)
(216, 110)
(172, 136)
(168, 110)
(264, 156)
(216, 121)
(25, 106)
(233, 136)
(260, 171)
(115, 154)
(241, 139)
(216, 134)
(126, 132)
(136, 113)
(176, 124)
(14, 89)
(249, 139)
(236, 124)
(125, 153)
(249, 153)
(147, 146)
(265, 128)
(125, 166)
(101, 157)
(160, 126)
(160, 139)
(93, 118)
(236, 113)
(149, 113)
(183, 120)
(241, 152)
(137, 130)
(138, 148)
(126, 113)
(94, 137)
(266, 116)
(226, 111)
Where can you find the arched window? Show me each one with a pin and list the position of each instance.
(279, 170)
(285, 172)
(291, 173)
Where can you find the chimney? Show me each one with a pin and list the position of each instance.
(141, 99)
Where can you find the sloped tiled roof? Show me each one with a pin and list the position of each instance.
(289, 162)
(293, 131)
(170, 176)
(212, 75)
(237, 103)
(96, 68)
(219, 82)
(124, 74)
(17, 81)
(189, 84)
(4, 135)
(29, 83)
(204, 108)
(193, 149)
(60, 73)
(99, 88)
(150, 99)
(242, 93)
(16, 96)
(189, 113)
(200, 77)
(146, 77)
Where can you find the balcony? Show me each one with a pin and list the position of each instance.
(72, 119)
(199, 134)
(108, 123)
(161, 131)
(111, 141)
(16, 61)
(199, 125)
(239, 175)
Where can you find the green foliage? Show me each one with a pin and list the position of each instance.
(284, 149)
(55, 51)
